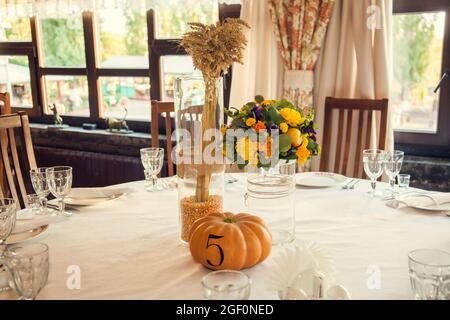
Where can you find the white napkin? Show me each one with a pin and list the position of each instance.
(27, 223)
(420, 200)
(95, 193)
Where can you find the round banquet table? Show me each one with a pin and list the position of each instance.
(129, 248)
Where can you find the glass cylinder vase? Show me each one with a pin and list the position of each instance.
(271, 197)
(198, 153)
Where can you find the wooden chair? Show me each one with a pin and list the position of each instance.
(349, 110)
(6, 103)
(188, 118)
(10, 151)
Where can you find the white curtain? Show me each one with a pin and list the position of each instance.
(57, 8)
(355, 61)
(262, 71)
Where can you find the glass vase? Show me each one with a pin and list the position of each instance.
(198, 153)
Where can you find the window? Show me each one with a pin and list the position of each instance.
(15, 78)
(96, 65)
(421, 47)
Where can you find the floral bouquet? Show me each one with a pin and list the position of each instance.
(264, 131)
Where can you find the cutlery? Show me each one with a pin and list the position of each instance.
(55, 207)
(346, 185)
(230, 178)
(352, 186)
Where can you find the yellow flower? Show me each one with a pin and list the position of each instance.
(247, 149)
(305, 141)
(250, 122)
(292, 117)
(284, 127)
(223, 130)
(302, 154)
(267, 102)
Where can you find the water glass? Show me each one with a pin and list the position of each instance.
(403, 181)
(373, 160)
(34, 204)
(152, 160)
(38, 178)
(226, 285)
(28, 266)
(8, 210)
(392, 166)
(59, 180)
(429, 273)
(287, 168)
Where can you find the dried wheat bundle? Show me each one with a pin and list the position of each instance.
(213, 49)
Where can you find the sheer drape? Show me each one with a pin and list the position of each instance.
(52, 8)
(300, 27)
(262, 71)
(355, 59)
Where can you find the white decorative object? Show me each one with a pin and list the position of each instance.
(304, 272)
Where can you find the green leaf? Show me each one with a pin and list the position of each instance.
(259, 98)
(285, 142)
(274, 115)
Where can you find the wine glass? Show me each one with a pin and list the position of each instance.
(7, 222)
(28, 266)
(373, 160)
(392, 167)
(152, 160)
(40, 186)
(59, 181)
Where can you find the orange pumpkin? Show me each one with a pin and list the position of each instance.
(227, 241)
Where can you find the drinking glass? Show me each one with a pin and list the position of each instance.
(39, 181)
(429, 273)
(226, 285)
(392, 167)
(34, 203)
(373, 160)
(152, 160)
(403, 181)
(7, 222)
(287, 168)
(28, 265)
(59, 180)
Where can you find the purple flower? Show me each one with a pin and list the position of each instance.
(274, 127)
(257, 113)
(310, 128)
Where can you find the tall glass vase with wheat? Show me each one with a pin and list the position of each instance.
(199, 116)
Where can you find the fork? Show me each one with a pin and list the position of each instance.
(347, 185)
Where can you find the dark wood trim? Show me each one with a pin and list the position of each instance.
(441, 139)
(36, 35)
(410, 6)
(90, 45)
(153, 58)
(47, 71)
(123, 72)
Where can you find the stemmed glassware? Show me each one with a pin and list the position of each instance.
(8, 210)
(59, 180)
(373, 160)
(393, 165)
(152, 160)
(40, 185)
(28, 266)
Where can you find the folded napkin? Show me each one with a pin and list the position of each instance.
(27, 223)
(96, 193)
(420, 200)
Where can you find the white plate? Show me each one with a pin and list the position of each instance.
(91, 201)
(440, 208)
(319, 179)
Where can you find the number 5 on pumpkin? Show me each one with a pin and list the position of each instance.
(213, 236)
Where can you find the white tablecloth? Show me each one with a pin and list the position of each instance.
(128, 248)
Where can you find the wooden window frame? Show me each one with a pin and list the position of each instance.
(430, 144)
(157, 48)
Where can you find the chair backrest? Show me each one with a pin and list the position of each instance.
(354, 132)
(159, 108)
(10, 125)
(6, 103)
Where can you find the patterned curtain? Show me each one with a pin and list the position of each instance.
(300, 27)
